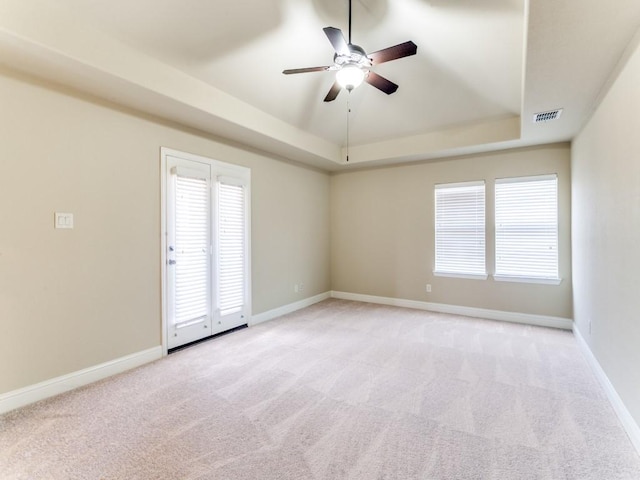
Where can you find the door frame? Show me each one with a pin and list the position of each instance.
(218, 169)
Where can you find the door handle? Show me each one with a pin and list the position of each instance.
(172, 262)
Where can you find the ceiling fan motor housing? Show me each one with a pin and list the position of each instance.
(357, 57)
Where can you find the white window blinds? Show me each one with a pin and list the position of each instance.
(231, 246)
(527, 227)
(460, 229)
(192, 244)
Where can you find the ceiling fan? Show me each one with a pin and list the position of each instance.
(353, 65)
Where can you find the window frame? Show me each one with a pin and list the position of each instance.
(445, 270)
(527, 277)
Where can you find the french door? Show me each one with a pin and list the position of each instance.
(206, 243)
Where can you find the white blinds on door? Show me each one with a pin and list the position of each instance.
(192, 284)
(231, 247)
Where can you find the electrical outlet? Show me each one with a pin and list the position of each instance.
(296, 288)
(301, 287)
(428, 289)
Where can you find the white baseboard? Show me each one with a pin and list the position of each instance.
(292, 307)
(628, 423)
(514, 317)
(55, 386)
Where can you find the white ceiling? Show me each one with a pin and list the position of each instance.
(482, 69)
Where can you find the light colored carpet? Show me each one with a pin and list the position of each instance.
(340, 390)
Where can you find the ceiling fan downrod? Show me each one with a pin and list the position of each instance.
(349, 22)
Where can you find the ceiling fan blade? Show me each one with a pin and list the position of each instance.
(381, 83)
(333, 93)
(338, 41)
(405, 49)
(305, 70)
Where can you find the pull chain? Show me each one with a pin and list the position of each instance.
(348, 115)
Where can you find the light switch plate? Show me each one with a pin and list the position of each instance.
(63, 220)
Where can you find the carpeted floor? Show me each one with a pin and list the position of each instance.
(340, 390)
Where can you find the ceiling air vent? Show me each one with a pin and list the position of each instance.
(547, 116)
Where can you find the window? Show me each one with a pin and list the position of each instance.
(460, 229)
(527, 228)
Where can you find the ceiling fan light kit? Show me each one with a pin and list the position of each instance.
(353, 65)
(350, 76)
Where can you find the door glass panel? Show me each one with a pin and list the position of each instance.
(192, 276)
(231, 248)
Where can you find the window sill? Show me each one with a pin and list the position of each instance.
(544, 281)
(471, 276)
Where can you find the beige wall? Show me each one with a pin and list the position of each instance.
(606, 233)
(383, 234)
(71, 299)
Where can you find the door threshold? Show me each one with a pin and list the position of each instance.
(205, 339)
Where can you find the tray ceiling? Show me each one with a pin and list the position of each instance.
(483, 68)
